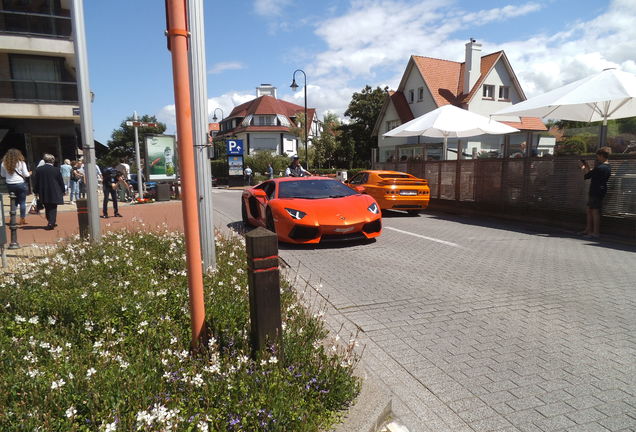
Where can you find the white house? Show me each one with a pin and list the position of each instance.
(264, 123)
(481, 84)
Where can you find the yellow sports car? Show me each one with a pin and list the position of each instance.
(393, 190)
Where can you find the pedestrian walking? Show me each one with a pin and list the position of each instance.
(110, 177)
(49, 188)
(65, 169)
(76, 176)
(598, 177)
(15, 172)
(248, 175)
(270, 171)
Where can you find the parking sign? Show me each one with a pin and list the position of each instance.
(235, 147)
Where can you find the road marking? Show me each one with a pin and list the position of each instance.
(447, 243)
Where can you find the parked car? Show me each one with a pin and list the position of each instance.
(311, 210)
(393, 189)
(151, 186)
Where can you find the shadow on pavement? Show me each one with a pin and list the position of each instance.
(610, 242)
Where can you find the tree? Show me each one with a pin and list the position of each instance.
(122, 142)
(363, 111)
(325, 145)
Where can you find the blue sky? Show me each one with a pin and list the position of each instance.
(342, 45)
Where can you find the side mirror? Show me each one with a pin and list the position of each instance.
(360, 189)
(259, 193)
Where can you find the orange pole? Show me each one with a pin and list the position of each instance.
(178, 45)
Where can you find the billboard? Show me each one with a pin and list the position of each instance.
(161, 157)
(235, 165)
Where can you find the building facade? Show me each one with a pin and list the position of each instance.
(268, 124)
(481, 84)
(39, 108)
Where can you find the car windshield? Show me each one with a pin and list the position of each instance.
(313, 189)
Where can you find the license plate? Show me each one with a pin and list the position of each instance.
(408, 192)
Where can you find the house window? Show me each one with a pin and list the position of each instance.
(489, 91)
(264, 120)
(504, 92)
(411, 96)
(392, 124)
(420, 93)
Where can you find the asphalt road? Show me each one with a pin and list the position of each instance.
(477, 325)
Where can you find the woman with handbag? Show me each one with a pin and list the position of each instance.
(14, 170)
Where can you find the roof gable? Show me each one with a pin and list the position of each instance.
(268, 105)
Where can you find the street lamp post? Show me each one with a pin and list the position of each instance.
(294, 86)
(215, 118)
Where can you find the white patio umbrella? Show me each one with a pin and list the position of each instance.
(450, 121)
(604, 96)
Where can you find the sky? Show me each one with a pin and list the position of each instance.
(342, 45)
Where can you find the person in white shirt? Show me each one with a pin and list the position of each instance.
(15, 171)
(295, 169)
(248, 175)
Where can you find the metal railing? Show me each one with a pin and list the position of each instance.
(550, 185)
(36, 24)
(38, 91)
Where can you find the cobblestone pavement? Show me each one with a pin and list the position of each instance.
(483, 326)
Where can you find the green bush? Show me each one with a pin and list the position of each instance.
(219, 168)
(573, 146)
(96, 337)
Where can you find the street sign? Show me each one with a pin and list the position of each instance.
(140, 124)
(235, 147)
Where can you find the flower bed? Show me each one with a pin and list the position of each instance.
(96, 337)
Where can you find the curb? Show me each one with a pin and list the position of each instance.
(371, 409)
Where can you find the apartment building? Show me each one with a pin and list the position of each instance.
(39, 109)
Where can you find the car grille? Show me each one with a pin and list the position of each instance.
(300, 232)
(372, 227)
(342, 237)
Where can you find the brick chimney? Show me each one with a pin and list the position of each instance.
(472, 69)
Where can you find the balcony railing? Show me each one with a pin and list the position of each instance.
(28, 23)
(38, 91)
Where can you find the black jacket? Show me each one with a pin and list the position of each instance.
(49, 184)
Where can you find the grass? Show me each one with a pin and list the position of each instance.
(96, 338)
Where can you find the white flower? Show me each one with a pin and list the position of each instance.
(273, 360)
(108, 427)
(57, 384)
(90, 372)
(173, 341)
(32, 373)
(71, 412)
(197, 380)
(19, 319)
(52, 321)
(203, 426)
(143, 324)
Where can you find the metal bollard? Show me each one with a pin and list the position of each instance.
(264, 290)
(82, 217)
(13, 226)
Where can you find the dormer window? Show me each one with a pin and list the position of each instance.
(489, 91)
(264, 120)
(504, 93)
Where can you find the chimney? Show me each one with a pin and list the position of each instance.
(472, 69)
(266, 90)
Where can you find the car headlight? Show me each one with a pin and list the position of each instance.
(373, 208)
(296, 214)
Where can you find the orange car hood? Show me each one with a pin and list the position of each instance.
(333, 211)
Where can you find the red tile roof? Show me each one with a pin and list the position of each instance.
(445, 80)
(267, 105)
(527, 123)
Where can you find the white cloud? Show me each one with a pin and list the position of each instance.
(270, 8)
(218, 68)
(225, 102)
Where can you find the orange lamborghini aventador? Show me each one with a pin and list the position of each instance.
(393, 190)
(311, 210)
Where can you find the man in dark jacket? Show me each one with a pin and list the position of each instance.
(598, 189)
(110, 178)
(49, 187)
